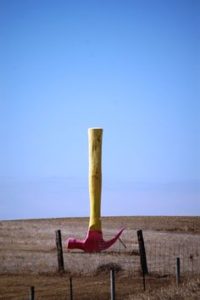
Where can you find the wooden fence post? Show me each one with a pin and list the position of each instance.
(71, 288)
(177, 270)
(32, 293)
(143, 259)
(59, 251)
(112, 284)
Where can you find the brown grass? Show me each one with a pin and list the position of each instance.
(189, 289)
(28, 257)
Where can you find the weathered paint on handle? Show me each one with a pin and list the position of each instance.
(95, 177)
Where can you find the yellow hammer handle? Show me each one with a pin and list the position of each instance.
(95, 177)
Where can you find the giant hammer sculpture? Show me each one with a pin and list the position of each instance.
(94, 241)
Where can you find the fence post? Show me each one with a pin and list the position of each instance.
(32, 293)
(71, 288)
(112, 284)
(143, 259)
(177, 270)
(144, 281)
(59, 251)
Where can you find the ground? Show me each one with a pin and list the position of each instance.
(28, 258)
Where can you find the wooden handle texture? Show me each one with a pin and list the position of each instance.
(95, 176)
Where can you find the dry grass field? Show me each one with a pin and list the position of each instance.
(28, 258)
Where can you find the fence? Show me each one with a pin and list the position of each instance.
(161, 258)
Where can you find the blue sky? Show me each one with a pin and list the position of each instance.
(130, 67)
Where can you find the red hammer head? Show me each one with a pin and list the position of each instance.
(93, 242)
